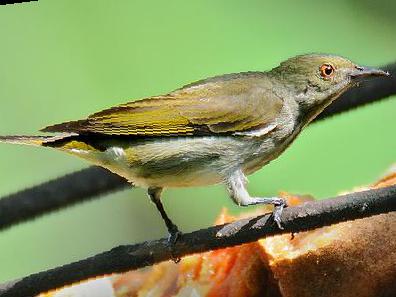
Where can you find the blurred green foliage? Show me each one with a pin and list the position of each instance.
(61, 60)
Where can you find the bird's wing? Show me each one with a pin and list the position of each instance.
(214, 106)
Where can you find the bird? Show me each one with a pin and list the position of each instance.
(214, 131)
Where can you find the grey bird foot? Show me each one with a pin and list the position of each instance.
(279, 205)
(174, 235)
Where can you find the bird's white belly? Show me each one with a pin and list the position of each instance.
(176, 162)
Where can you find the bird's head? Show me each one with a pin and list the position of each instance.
(315, 80)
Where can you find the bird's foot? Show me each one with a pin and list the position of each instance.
(173, 237)
(279, 205)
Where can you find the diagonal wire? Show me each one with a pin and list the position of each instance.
(61, 192)
(305, 217)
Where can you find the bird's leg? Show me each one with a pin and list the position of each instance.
(174, 233)
(236, 185)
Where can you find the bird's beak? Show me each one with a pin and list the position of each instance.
(366, 71)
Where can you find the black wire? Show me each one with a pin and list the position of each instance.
(57, 193)
(305, 217)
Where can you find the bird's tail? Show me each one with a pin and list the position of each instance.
(32, 140)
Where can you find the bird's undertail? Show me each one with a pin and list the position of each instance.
(32, 140)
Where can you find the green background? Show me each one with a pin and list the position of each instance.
(64, 59)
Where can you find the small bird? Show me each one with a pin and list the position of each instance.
(216, 130)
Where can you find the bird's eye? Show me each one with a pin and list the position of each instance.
(327, 71)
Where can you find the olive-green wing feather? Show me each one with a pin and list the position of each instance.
(227, 104)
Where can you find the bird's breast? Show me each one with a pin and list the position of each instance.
(268, 148)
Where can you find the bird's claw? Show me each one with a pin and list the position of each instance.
(277, 213)
(174, 235)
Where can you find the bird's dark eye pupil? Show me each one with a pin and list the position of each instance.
(328, 70)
